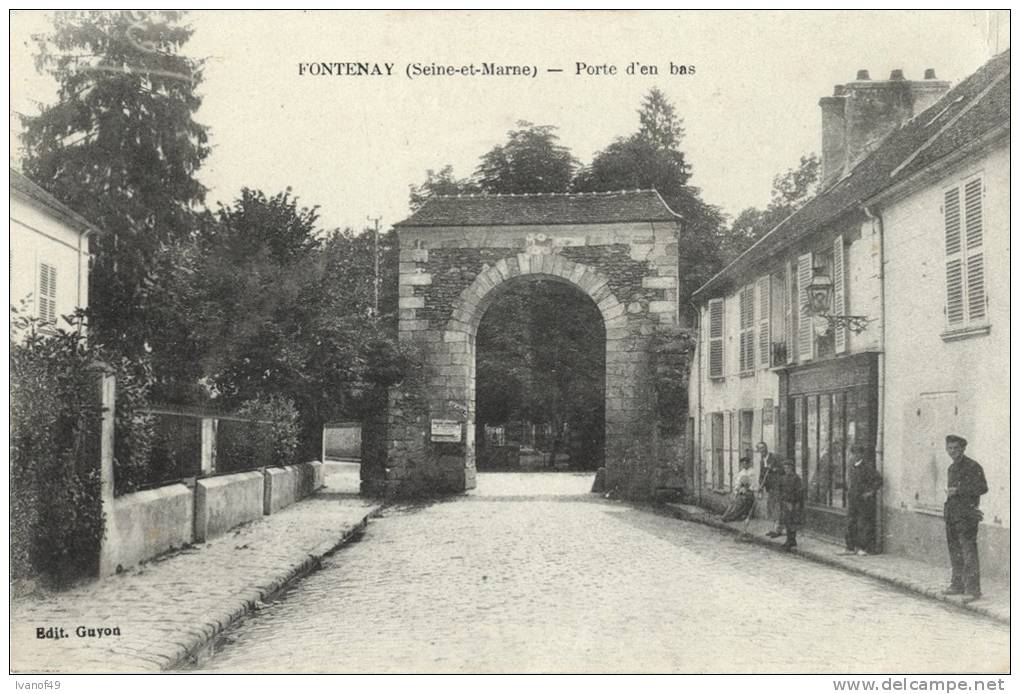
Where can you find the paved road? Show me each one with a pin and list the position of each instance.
(532, 573)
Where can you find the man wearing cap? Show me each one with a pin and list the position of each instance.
(966, 485)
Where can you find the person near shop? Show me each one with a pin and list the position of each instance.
(743, 493)
(770, 472)
(863, 481)
(791, 500)
(966, 484)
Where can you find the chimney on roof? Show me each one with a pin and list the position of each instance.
(861, 113)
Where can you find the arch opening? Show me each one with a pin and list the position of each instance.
(540, 377)
(430, 433)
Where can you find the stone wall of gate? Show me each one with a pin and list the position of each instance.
(449, 276)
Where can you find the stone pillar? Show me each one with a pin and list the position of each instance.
(108, 399)
(209, 427)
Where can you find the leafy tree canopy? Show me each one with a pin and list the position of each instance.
(441, 182)
(271, 305)
(531, 161)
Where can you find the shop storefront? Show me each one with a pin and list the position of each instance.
(829, 406)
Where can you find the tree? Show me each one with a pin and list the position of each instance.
(659, 123)
(531, 161)
(651, 158)
(442, 182)
(633, 163)
(273, 308)
(251, 269)
(121, 147)
(790, 190)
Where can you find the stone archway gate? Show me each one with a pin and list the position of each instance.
(457, 253)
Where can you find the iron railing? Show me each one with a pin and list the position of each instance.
(191, 444)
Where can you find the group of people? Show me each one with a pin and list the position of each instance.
(784, 492)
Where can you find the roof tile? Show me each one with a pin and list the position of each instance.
(541, 208)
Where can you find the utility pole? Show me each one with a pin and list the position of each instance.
(375, 311)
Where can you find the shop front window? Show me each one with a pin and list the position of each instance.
(825, 426)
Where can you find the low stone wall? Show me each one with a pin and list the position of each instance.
(285, 485)
(222, 503)
(141, 525)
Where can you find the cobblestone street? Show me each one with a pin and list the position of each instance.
(531, 573)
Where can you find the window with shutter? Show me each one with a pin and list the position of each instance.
(47, 293)
(716, 311)
(963, 224)
(747, 344)
(805, 331)
(764, 311)
(972, 196)
(839, 291)
(779, 317)
(790, 312)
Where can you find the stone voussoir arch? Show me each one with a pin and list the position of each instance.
(477, 297)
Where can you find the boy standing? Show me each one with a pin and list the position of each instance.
(791, 497)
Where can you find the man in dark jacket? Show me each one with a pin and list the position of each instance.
(769, 474)
(966, 485)
(863, 481)
(791, 499)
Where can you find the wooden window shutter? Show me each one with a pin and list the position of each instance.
(954, 264)
(747, 345)
(954, 291)
(788, 313)
(972, 196)
(716, 332)
(965, 261)
(47, 292)
(839, 291)
(805, 329)
(764, 314)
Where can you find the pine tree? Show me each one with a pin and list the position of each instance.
(121, 147)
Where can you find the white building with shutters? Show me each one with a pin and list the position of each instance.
(911, 224)
(49, 253)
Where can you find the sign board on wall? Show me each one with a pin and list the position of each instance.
(446, 430)
(767, 413)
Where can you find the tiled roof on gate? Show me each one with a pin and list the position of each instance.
(542, 208)
(967, 112)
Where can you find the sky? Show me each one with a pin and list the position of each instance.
(352, 145)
